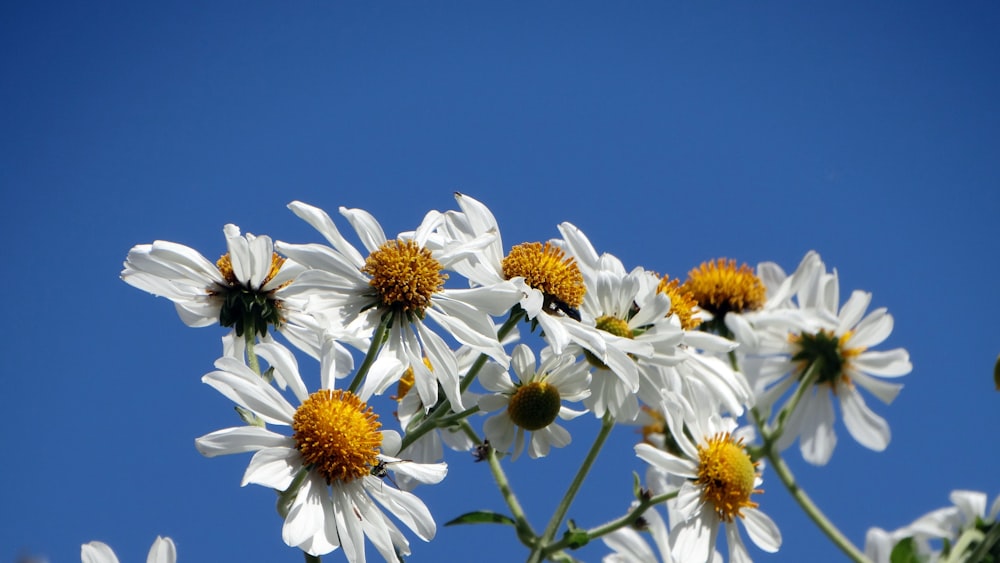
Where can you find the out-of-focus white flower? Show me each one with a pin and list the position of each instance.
(162, 551)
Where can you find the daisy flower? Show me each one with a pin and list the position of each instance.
(832, 344)
(399, 284)
(162, 551)
(330, 469)
(640, 308)
(244, 289)
(534, 402)
(719, 480)
(551, 282)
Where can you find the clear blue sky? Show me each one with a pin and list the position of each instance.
(670, 133)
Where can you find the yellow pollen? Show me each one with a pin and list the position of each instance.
(225, 266)
(657, 424)
(337, 435)
(682, 302)
(726, 476)
(615, 326)
(720, 287)
(406, 382)
(405, 275)
(534, 405)
(546, 268)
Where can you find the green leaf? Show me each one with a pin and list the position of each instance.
(905, 552)
(482, 517)
(249, 417)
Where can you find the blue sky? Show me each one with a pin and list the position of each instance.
(670, 133)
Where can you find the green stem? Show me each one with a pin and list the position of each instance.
(524, 531)
(252, 361)
(811, 510)
(377, 340)
(627, 519)
(438, 417)
(538, 553)
(991, 538)
(805, 384)
(312, 558)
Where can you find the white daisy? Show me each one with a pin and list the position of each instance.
(645, 309)
(815, 335)
(244, 289)
(330, 468)
(534, 402)
(162, 551)
(551, 283)
(400, 284)
(719, 478)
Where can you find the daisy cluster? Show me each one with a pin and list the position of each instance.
(489, 349)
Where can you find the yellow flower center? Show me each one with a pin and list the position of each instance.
(829, 354)
(726, 476)
(534, 405)
(682, 302)
(406, 382)
(404, 275)
(337, 435)
(547, 269)
(612, 325)
(245, 308)
(720, 287)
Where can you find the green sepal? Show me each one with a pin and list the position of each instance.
(482, 517)
(575, 537)
(247, 416)
(637, 490)
(268, 375)
(904, 552)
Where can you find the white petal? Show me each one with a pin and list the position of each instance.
(869, 429)
(97, 552)
(817, 438)
(321, 221)
(240, 439)
(162, 551)
(871, 331)
(666, 461)
(884, 390)
(285, 366)
(273, 467)
(369, 231)
(737, 551)
(887, 363)
(426, 473)
(305, 516)
(405, 506)
(853, 310)
(762, 530)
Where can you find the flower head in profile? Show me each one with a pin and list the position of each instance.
(162, 551)
(720, 480)
(533, 403)
(967, 530)
(831, 344)
(399, 284)
(240, 290)
(329, 469)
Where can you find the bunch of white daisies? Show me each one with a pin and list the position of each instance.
(485, 348)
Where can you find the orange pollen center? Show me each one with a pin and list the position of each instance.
(726, 476)
(682, 302)
(404, 275)
(547, 269)
(720, 287)
(337, 435)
